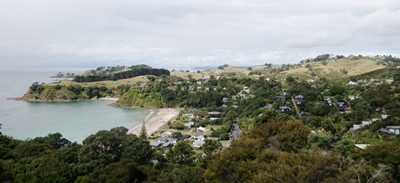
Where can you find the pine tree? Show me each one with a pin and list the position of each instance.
(143, 133)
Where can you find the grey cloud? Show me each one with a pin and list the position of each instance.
(191, 33)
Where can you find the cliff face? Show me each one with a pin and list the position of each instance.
(135, 97)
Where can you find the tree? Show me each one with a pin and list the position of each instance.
(210, 146)
(143, 133)
(53, 140)
(123, 171)
(107, 147)
(180, 153)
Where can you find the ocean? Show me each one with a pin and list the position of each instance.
(74, 120)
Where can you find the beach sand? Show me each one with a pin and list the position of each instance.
(156, 119)
(108, 98)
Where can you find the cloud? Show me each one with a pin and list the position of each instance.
(192, 33)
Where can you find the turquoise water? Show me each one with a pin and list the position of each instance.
(75, 120)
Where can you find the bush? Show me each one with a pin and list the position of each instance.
(224, 136)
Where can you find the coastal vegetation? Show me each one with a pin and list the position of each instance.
(322, 120)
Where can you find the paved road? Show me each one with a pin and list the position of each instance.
(236, 132)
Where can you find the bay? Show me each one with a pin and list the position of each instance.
(74, 120)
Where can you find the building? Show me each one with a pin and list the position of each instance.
(392, 130)
(299, 99)
(285, 109)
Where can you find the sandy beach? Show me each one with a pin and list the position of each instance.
(108, 98)
(156, 119)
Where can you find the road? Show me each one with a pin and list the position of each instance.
(236, 132)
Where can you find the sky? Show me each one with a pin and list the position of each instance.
(178, 34)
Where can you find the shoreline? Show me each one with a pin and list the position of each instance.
(60, 101)
(155, 120)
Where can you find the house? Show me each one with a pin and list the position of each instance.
(198, 88)
(166, 145)
(384, 116)
(201, 129)
(243, 96)
(206, 78)
(285, 109)
(366, 122)
(310, 80)
(342, 105)
(199, 82)
(162, 140)
(166, 134)
(280, 98)
(207, 89)
(351, 83)
(375, 119)
(269, 106)
(224, 106)
(246, 89)
(212, 138)
(329, 101)
(155, 144)
(142, 86)
(214, 119)
(352, 97)
(172, 140)
(299, 99)
(225, 100)
(392, 130)
(198, 136)
(197, 144)
(190, 116)
(235, 106)
(191, 88)
(356, 127)
(214, 113)
(188, 125)
(361, 146)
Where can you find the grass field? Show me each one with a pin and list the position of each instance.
(108, 84)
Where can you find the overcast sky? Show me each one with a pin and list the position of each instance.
(187, 33)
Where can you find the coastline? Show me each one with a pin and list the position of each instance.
(155, 120)
(58, 100)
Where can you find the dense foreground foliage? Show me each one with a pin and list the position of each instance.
(276, 151)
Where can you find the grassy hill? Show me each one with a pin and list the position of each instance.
(108, 84)
(331, 69)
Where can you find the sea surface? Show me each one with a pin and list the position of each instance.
(74, 120)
